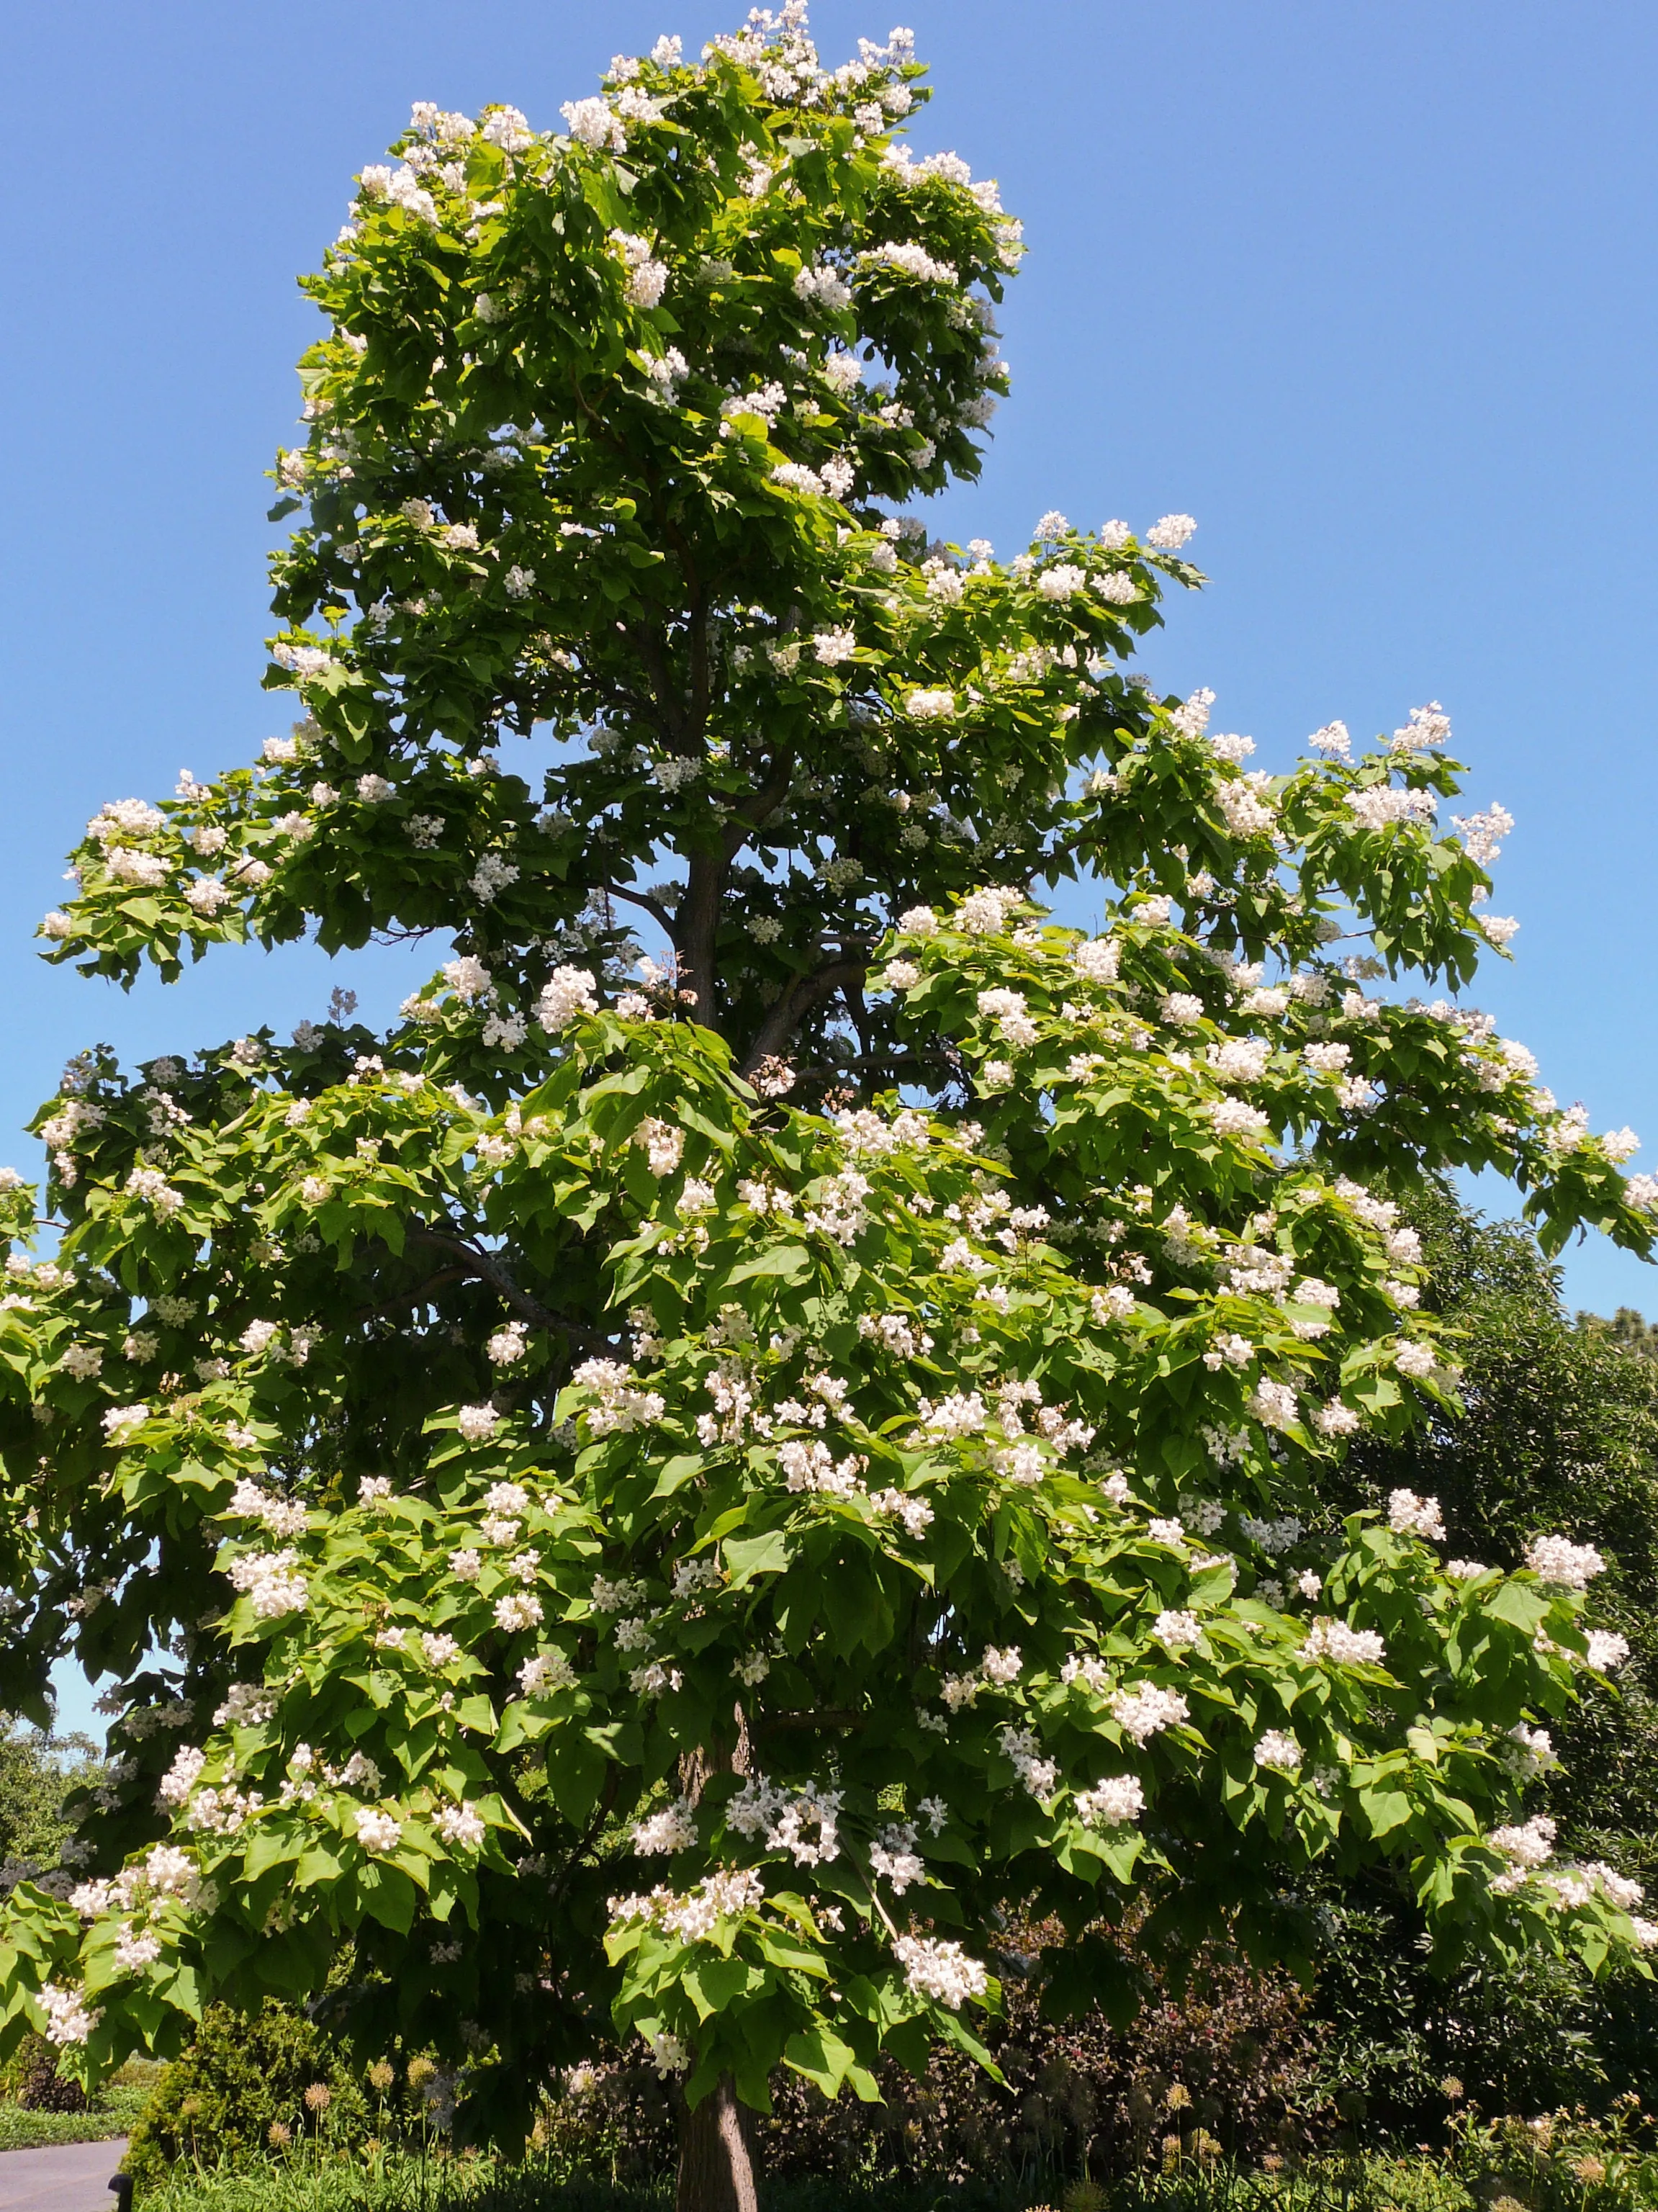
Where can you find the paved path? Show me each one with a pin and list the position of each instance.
(62, 2178)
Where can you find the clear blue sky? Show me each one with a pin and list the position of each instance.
(1367, 288)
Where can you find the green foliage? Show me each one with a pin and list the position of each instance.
(40, 1777)
(595, 1423)
(236, 2100)
(1627, 1327)
(1559, 1425)
(1548, 2161)
(112, 2114)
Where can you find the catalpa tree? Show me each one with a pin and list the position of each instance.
(667, 1499)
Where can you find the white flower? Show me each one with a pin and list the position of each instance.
(1347, 1647)
(823, 287)
(1063, 582)
(1416, 1360)
(153, 1186)
(516, 1610)
(1278, 1753)
(1143, 1709)
(568, 993)
(1177, 1630)
(941, 1970)
(1556, 1559)
(377, 1830)
(1607, 1649)
(984, 913)
(662, 1145)
(1528, 1846)
(1411, 1515)
(672, 1829)
(1429, 726)
(909, 260)
(1232, 1117)
(1273, 1404)
(457, 1824)
(1334, 739)
(70, 2019)
(1007, 1010)
(1109, 1803)
(267, 1580)
(593, 122)
(476, 1422)
(621, 1406)
(506, 1345)
(931, 706)
(1379, 806)
(831, 647)
(547, 1671)
(1096, 958)
(1169, 534)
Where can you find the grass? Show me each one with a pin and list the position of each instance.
(485, 2184)
(116, 2109)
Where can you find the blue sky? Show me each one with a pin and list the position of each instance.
(1366, 289)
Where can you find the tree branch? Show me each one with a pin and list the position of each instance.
(488, 1269)
(654, 908)
(796, 1003)
(416, 1296)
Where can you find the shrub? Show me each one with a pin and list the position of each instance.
(243, 2081)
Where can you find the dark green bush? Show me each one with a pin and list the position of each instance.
(237, 2098)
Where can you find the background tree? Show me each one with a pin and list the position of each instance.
(1558, 1422)
(41, 1775)
(596, 1423)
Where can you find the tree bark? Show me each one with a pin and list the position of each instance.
(716, 2170)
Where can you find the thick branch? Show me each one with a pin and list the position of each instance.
(695, 926)
(796, 1003)
(487, 1268)
(654, 908)
(416, 1296)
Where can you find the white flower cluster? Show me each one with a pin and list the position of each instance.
(1019, 1745)
(1556, 1559)
(672, 1829)
(567, 994)
(693, 1918)
(70, 2019)
(1278, 1753)
(1110, 1803)
(663, 1144)
(461, 1824)
(1347, 1647)
(621, 1405)
(267, 1579)
(1411, 1515)
(940, 1971)
(804, 1823)
(1142, 1710)
(1526, 1847)
(547, 1671)
(281, 1516)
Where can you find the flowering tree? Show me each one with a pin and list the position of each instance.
(665, 1497)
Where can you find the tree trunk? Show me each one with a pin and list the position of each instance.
(716, 2172)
